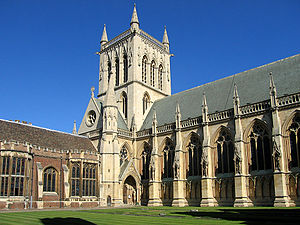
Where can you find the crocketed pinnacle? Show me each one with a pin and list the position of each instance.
(74, 128)
(134, 18)
(104, 35)
(165, 37)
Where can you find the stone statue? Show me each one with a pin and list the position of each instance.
(176, 168)
(204, 162)
(152, 169)
(237, 156)
(276, 155)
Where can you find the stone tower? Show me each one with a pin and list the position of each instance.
(141, 67)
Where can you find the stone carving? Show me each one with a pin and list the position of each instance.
(238, 160)
(204, 162)
(177, 167)
(152, 169)
(276, 155)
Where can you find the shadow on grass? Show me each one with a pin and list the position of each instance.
(66, 221)
(252, 216)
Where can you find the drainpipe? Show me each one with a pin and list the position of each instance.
(60, 193)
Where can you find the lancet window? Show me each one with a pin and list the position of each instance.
(295, 142)
(125, 68)
(160, 77)
(13, 173)
(168, 158)
(117, 67)
(75, 180)
(109, 71)
(144, 69)
(194, 155)
(152, 74)
(124, 104)
(225, 150)
(50, 179)
(146, 156)
(146, 102)
(260, 148)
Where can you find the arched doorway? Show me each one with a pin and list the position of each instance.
(129, 191)
(108, 200)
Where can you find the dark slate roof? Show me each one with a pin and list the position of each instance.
(121, 122)
(43, 137)
(253, 86)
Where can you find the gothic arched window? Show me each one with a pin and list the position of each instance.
(108, 70)
(295, 142)
(124, 104)
(125, 68)
(195, 153)
(50, 176)
(146, 102)
(169, 154)
(260, 148)
(117, 65)
(152, 74)
(160, 77)
(144, 69)
(225, 149)
(75, 179)
(146, 156)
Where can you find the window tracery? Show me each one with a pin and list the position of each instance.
(294, 130)
(89, 179)
(123, 155)
(125, 68)
(146, 102)
(260, 148)
(146, 156)
(50, 176)
(225, 150)
(124, 104)
(75, 179)
(168, 158)
(117, 66)
(194, 156)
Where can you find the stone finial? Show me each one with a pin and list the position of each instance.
(92, 91)
(74, 128)
(236, 100)
(133, 124)
(178, 116)
(272, 84)
(204, 109)
(154, 122)
(134, 23)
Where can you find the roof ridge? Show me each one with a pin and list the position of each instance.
(233, 75)
(43, 128)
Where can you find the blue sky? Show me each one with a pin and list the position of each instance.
(47, 48)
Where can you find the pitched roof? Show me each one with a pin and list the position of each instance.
(43, 137)
(253, 86)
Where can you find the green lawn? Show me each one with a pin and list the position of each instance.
(157, 215)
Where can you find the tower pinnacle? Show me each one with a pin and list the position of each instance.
(165, 40)
(134, 23)
(104, 37)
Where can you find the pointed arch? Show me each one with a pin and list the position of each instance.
(125, 67)
(124, 102)
(168, 152)
(292, 130)
(160, 77)
(193, 145)
(144, 69)
(224, 143)
(117, 68)
(258, 136)
(125, 153)
(152, 73)
(146, 102)
(146, 157)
